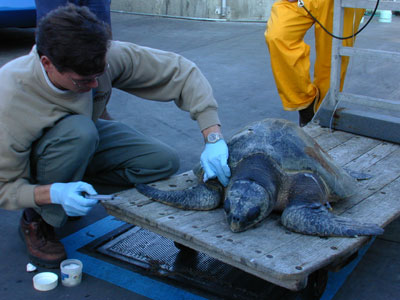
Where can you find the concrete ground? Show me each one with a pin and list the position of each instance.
(234, 57)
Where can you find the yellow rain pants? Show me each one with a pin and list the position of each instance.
(290, 55)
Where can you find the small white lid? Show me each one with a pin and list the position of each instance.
(45, 281)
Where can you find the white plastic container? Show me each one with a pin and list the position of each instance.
(71, 272)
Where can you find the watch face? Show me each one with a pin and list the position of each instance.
(213, 137)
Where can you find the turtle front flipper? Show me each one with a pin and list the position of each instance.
(200, 197)
(315, 219)
(307, 214)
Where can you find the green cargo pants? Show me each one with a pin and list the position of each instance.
(105, 152)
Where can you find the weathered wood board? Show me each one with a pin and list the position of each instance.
(269, 251)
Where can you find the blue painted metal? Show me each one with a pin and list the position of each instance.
(337, 279)
(118, 276)
(21, 13)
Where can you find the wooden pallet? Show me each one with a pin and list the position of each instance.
(270, 251)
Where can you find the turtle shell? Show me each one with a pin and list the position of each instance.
(293, 151)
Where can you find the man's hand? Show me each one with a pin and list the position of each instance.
(214, 161)
(70, 197)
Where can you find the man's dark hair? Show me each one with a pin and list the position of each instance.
(74, 40)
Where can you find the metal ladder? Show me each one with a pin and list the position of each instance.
(368, 116)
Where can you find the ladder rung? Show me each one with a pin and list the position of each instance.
(370, 53)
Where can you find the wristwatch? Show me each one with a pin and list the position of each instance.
(213, 137)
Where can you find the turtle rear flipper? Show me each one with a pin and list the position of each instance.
(315, 219)
(357, 174)
(199, 197)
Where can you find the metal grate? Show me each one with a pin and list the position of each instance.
(158, 256)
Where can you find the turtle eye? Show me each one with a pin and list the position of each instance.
(227, 206)
(253, 213)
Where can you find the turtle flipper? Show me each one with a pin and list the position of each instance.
(358, 175)
(199, 197)
(315, 219)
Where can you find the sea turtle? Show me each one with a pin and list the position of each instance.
(275, 165)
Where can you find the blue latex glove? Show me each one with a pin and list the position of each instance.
(70, 197)
(214, 161)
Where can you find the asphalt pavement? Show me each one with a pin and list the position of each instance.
(234, 58)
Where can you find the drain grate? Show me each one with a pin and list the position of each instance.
(159, 257)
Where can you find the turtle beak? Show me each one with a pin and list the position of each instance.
(246, 204)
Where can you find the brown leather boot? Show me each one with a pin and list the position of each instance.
(41, 243)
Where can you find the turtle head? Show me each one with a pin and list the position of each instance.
(246, 204)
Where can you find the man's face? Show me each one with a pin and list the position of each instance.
(82, 84)
(70, 80)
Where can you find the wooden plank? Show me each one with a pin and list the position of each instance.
(382, 207)
(383, 173)
(314, 130)
(332, 139)
(395, 94)
(372, 157)
(352, 149)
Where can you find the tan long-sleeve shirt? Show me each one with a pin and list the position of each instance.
(28, 104)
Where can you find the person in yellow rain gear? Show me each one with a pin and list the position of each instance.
(290, 55)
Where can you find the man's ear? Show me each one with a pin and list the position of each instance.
(47, 64)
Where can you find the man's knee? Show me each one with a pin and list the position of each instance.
(64, 151)
(72, 133)
(81, 131)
